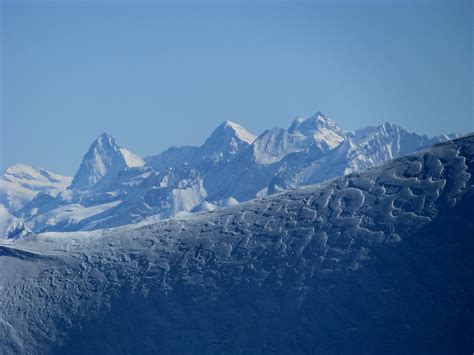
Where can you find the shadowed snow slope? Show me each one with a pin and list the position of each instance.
(378, 262)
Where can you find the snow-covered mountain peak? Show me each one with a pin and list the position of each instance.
(19, 168)
(103, 161)
(321, 128)
(225, 142)
(105, 135)
(28, 172)
(389, 128)
(229, 129)
(318, 131)
(105, 140)
(20, 183)
(240, 132)
(31, 177)
(313, 123)
(227, 138)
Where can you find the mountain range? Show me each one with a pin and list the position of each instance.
(378, 262)
(114, 187)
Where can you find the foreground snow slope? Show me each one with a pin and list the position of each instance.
(377, 262)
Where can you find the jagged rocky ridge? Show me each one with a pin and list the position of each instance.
(377, 262)
(115, 187)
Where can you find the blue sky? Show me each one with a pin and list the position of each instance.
(156, 74)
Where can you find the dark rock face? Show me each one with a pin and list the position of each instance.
(379, 262)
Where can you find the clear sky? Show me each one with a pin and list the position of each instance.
(156, 74)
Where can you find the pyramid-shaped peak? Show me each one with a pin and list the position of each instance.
(105, 135)
(228, 129)
(226, 140)
(229, 124)
(105, 139)
(103, 161)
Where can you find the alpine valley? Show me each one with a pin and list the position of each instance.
(114, 187)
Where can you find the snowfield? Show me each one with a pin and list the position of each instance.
(375, 262)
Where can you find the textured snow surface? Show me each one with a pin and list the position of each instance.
(377, 262)
(71, 214)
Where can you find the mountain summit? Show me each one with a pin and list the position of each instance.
(102, 163)
(226, 140)
(223, 144)
(321, 128)
(20, 183)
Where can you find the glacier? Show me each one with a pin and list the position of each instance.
(374, 262)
